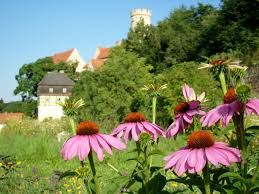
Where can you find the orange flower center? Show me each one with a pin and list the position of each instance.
(134, 117)
(230, 96)
(87, 128)
(217, 62)
(181, 108)
(200, 139)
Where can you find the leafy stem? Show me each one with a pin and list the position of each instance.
(85, 181)
(147, 169)
(154, 101)
(222, 80)
(91, 161)
(72, 124)
(206, 179)
(240, 131)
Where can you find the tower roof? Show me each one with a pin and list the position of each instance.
(56, 79)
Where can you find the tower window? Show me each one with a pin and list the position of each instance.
(64, 90)
(50, 90)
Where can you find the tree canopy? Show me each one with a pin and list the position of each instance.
(189, 33)
(115, 89)
(32, 73)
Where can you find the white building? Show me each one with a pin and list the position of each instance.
(53, 88)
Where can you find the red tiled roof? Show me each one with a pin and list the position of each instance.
(6, 116)
(97, 63)
(104, 53)
(59, 57)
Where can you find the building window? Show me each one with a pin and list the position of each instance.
(64, 90)
(50, 90)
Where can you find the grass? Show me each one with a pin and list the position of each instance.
(40, 156)
(36, 147)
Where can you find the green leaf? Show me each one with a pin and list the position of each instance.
(229, 191)
(117, 183)
(254, 189)
(68, 173)
(153, 169)
(233, 175)
(254, 129)
(155, 152)
(134, 159)
(155, 185)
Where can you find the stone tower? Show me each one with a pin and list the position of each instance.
(140, 14)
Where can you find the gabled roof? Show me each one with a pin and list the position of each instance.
(56, 79)
(103, 53)
(63, 56)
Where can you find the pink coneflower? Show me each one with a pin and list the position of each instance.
(201, 149)
(134, 124)
(232, 105)
(88, 138)
(185, 111)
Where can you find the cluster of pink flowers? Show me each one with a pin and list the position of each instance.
(185, 111)
(89, 138)
(201, 146)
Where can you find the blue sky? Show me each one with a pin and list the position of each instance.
(31, 29)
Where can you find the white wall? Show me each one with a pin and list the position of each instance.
(56, 112)
(48, 107)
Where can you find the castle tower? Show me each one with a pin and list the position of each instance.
(140, 14)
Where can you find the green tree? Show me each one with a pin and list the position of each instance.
(115, 89)
(28, 107)
(31, 74)
(235, 27)
(1, 104)
(145, 41)
(181, 33)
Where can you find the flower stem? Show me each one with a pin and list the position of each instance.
(206, 179)
(195, 124)
(146, 169)
(85, 182)
(138, 148)
(91, 161)
(243, 144)
(222, 80)
(114, 168)
(72, 124)
(154, 100)
(240, 130)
